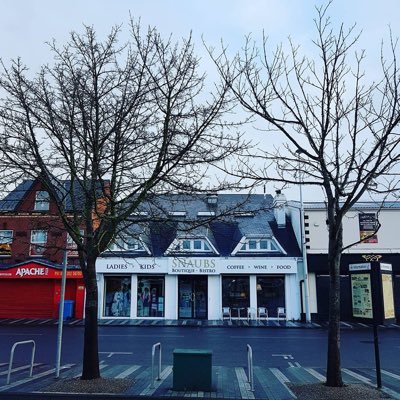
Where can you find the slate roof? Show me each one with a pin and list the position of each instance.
(235, 216)
(13, 199)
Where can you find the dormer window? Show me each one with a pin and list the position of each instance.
(258, 245)
(42, 201)
(191, 245)
(127, 243)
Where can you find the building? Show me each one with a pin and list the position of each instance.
(32, 243)
(227, 250)
(358, 224)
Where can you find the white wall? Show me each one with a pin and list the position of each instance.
(214, 297)
(171, 297)
(292, 295)
(388, 241)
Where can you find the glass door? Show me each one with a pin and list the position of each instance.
(192, 297)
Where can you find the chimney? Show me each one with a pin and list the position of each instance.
(279, 205)
(212, 199)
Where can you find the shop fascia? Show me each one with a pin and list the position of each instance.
(198, 265)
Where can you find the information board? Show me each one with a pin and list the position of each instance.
(388, 301)
(361, 295)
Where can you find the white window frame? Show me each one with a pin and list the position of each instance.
(42, 203)
(4, 238)
(177, 246)
(122, 244)
(33, 234)
(245, 242)
(41, 245)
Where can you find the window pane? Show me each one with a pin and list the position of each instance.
(271, 293)
(236, 293)
(186, 245)
(117, 295)
(197, 244)
(42, 201)
(6, 237)
(252, 245)
(150, 296)
(274, 247)
(39, 237)
(264, 244)
(206, 246)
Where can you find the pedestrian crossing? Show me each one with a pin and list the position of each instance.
(271, 323)
(228, 382)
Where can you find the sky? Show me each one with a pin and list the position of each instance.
(26, 25)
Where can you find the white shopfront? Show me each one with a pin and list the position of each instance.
(195, 287)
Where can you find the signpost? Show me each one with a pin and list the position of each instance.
(372, 299)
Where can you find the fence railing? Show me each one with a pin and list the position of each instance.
(12, 357)
(153, 354)
(250, 367)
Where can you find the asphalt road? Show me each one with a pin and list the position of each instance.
(271, 347)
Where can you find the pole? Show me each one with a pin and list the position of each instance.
(304, 252)
(377, 357)
(61, 314)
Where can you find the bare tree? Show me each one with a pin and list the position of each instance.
(104, 128)
(340, 131)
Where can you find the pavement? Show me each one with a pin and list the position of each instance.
(227, 382)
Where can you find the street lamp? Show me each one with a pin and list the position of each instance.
(304, 248)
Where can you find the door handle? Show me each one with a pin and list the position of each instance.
(193, 296)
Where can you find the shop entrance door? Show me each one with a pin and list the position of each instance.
(192, 297)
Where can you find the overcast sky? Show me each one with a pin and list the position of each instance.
(25, 25)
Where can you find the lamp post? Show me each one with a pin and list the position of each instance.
(304, 248)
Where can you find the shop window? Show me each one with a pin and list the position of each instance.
(117, 296)
(271, 293)
(126, 243)
(150, 296)
(38, 242)
(192, 245)
(259, 245)
(236, 294)
(42, 201)
(6, 238)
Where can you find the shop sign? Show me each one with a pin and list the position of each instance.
(386, 267)
(36, 271)
(193, 266)
(368, 224)
(134, 265)
(258, 266)
(360, 267)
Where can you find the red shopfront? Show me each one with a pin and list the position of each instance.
(32, 290)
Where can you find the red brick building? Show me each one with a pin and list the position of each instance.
(32, 243)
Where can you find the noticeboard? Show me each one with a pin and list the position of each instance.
(387, 291)
(361, 295)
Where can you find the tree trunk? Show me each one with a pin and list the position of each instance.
(90, 369)
(334, 373)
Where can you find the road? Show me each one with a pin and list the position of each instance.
(271, 347)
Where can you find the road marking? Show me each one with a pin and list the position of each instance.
(110, 322)
(19, 369)
(75, 322)
(363, 325)
(157, 383)
(38, 376)
(21, 334)
(111, 353)
(43, 322)
(391, 374)
(282, 379)
(144, 335)
(297, 364)
(32, 320)
(127, 372)
(244, 385)
(285, 356)
(346, 324)
(367, 381)
(315, 374)
(290, 364)
(15, 321)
